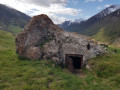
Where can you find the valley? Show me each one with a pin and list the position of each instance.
(34, 51)
(103, 27)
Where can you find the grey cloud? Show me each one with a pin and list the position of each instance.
(29, 12)
(34, 9)
(44, 2)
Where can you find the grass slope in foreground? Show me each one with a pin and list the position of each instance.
(19, 73)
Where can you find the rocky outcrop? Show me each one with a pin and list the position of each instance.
(42, 39)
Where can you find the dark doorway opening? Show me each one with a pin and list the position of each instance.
(88, 46)
(76, 62)
(73, 61)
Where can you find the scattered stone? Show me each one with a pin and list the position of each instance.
(88, 67)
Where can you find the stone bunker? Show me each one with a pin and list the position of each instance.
(42, 39)
(73, 61)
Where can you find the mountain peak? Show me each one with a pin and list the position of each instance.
(113, 8)
(80, 27)
(71, 22)
(108, 10)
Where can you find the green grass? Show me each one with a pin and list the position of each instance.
(106, 30)
(14, 29)
(107, 67)
(21, 74)
(100, 36)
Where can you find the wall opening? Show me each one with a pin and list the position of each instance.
(76, 62)
(73, 61)
(88, 46)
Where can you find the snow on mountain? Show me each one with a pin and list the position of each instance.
(76, 21)
(108, 10)
(79, 20)
(98, 16)
(81, 25)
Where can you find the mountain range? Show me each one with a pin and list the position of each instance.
(104, 26)
(12, 20)
(68, 23)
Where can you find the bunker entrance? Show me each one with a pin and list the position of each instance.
(73, 61)
(76, 62)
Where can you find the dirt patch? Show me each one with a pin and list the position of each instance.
(80, 73)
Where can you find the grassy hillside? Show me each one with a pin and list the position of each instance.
(15, 29)
(106, 30)
(23, 74)
(12, 20)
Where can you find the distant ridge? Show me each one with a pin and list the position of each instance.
(11, 19)
(104, 26)
(69, 23)
(80, 27)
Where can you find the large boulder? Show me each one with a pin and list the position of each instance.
(42, 39)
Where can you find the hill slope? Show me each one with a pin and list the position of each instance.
(106, 30)
(11, 19)
(20, 73)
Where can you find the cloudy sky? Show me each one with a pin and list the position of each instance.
(61, 10)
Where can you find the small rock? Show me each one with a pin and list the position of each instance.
(43, 64)
(88, 67)
(53, 65)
